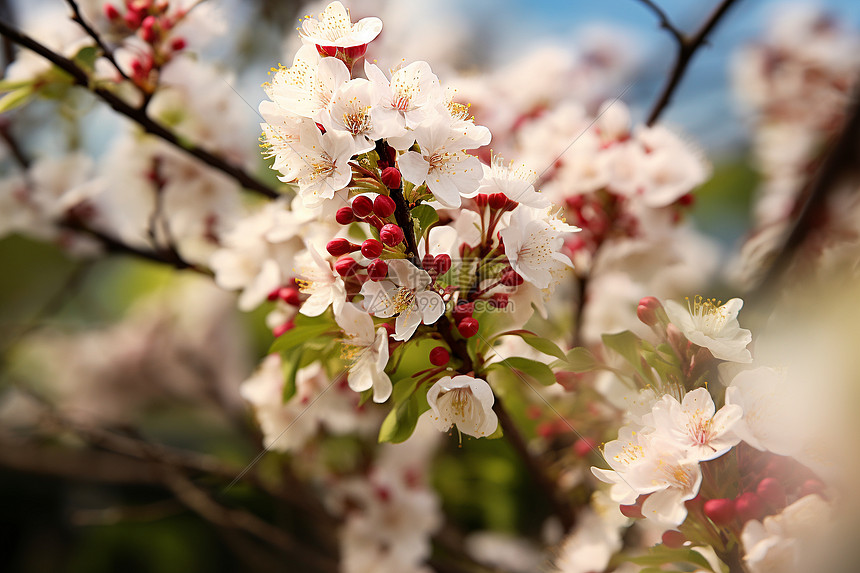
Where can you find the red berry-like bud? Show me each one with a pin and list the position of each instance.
(362, 206)
(674, 539)
(647, 310)
(442, 263)
(132, 19)
(289, 295)
(147, 29)
(468, 327)
(371, 248)
(428, 262)
(583, 447)
(482, 200)
(771, 491)
(286, 327)
(463, 310)
(633, 511)
(384, 206)
(137, 67)
(510, 277)
(720, 511)
(377, 270)
(439, 356)
(345, 266)
(111, 13)
(344, 216)
(749, 506)
(338, 247)
(511, 205)
(389, 328)
(499, 300)
(391, 177)
(497, 201)
(686, 200)
(273, 296)
(178, 44)
(810, 487)
(391, 235)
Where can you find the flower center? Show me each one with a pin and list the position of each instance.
(358, 121)
(403, 299)
(708, 314)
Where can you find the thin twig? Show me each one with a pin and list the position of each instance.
(108, 53)
(687, 48)
(140, 117)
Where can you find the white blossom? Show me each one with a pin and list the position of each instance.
(714, 326)
(533, 243)
(335, 28)
(317, 279)
(465, 402)
(366, 351)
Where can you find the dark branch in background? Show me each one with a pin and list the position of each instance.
(538, 471)
(687, 47)
(839, 158)
(140, 117)
(106, 51)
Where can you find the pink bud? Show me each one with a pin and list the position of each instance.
(289, 295)
(633, 511)
(720, 511)
(391, 235)
(344, 216)
(439, 356)
(674, 539)
(428, 262)
(338, 247)
(442, 263)
(510, 277)
(647, 310)
(391, 177)
(377, 270)
(749, 506)
(582, 447)
(384, 206)
(132, 19)
(362, 206)
(371, 248)
(772, 492)
(111, 13)
(345, 266)
(482, 200)
(810, 487)
(148, 31)
(468, 327)
(286, 327)
(499, 300)
(178, 44)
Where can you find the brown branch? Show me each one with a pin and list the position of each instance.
(536, 468)
(108, 53)
(840, 156)
(139, 116)
(687, 48)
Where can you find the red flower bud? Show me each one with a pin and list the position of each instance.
(428, 262)
(344, 216)
(511, 205)
(510, 277)
(442, 263)
(772, 492)
(749, 506)
(389, 328)
(286, 327)
(391, 235)
(810, 487)
(362, 206)
(148, 31)
(391, 177)
(384, 206)
(463, 310)
(499, 300)
(482, 199)
(178, 44)
(289, 295)
(132, 19)
(633, 511)
(583, 447)
(111, 13)
(338, 247)
(371, 248)
(468, 327)
(345, 266)
(674, 539)
(647, 310)
(720, 511)
(439, 356)
(377, 270)
(497, 201)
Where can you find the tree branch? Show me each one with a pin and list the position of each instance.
(536, 468)
(687, 47)
(140, 117)
(108, 53)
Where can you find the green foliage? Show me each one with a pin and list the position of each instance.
(17, 98)
(581, 359)
(629, 347)
(662, 555)
(401, 421)
(538, 371)
(543, 345)
(423, 217)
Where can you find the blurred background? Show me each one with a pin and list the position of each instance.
(153, 352)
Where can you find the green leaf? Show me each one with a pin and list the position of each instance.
(290, 369)
(16, 98)
(401, 421)
(532, 368)
(662, 555)
(86, 57)
(580, 359)
(629, 347)
(423, 216)
(544, 345)
(298, 336)
(11, 85)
